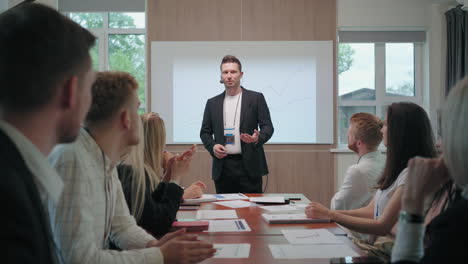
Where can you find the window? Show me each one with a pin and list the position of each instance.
(120, 44)
(374, 74)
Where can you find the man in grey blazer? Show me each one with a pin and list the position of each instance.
(230, 133)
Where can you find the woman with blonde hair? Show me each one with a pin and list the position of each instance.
(152, 202)
(156, 159)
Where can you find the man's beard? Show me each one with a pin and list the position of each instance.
(353, 147)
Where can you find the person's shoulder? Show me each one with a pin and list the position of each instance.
(216, 97)
(63, 153)
(401, 180)
(8, 150)
(357, 173)
(354, 170)
(251, 92)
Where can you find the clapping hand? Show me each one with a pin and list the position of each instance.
(179, 165)
(425, 177)
(195, 190)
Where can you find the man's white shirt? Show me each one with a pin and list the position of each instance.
(359, 182)
(231, 116)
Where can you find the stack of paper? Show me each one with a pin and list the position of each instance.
(311, 251)
(311, 243)
(216, 214)
(268, 200)
(291, 219)
(235, 204)
(232, 250)
(238, 225)
(206, 198)
(311, 236)
(284, 209)
(230, 196)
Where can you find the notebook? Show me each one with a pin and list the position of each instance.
(206, 198)
(291, 219)
(191, 225)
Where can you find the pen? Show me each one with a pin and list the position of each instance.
(242, 195)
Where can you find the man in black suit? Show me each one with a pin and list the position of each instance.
(229, 133)
(45, 78)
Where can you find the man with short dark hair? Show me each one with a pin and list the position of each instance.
(359, 182)
(46, 77)
(230, 133)
(93, 212)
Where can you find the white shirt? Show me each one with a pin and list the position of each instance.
(48, 182)
(382, 197)
(231, 117)
(359, 183)
(93, 209)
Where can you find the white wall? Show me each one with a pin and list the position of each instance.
(3, 5)
(401, 15)
(382, 14)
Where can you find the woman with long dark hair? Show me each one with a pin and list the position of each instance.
(406, 133)
(449, 230)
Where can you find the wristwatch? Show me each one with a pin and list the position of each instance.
(410, 218)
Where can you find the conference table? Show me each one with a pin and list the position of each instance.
(263, 234)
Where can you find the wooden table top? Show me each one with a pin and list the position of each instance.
(253, 216)
(262, 234)
(260, 252)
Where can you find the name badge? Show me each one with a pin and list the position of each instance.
(229, 138)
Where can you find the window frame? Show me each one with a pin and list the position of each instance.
(102, 35)
(381, 99)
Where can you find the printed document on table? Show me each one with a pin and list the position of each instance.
(267, 199)
(232, 250)
(291, 219)
(230, 196)
(238, 225)
(216, 214)
(205, 198)
(284, 209)
(311, 251)
(236, 204)
(311, 237)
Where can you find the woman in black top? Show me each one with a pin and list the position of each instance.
(448, 232)
(160, 204)
(153, 200)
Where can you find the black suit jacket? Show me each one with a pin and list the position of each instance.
(254, 114)
(25, 235)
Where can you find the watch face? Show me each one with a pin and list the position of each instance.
(410, 218)
(364, 259)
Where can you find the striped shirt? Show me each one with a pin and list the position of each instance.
(93, 211)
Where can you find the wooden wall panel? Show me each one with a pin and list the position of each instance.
(310, 172)
(194, 20)
(288, 20)
(307, 169)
